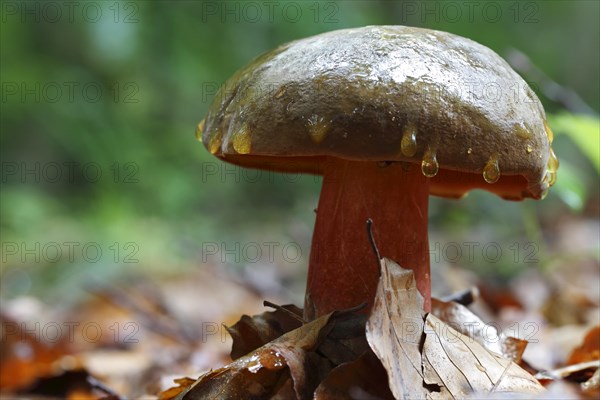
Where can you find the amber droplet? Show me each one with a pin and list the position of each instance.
(552, 168)
(553, 161)
(491, 171)
(408, 144)
(215, 142)
(318, 128)
(523, 131)
(199, 130)
(242, 140)
(549, 132)
(550, 178)
(469, 150)
(529, 149)
(429, 164)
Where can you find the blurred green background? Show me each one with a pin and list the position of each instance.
(100, 101)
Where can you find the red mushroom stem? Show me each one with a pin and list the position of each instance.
(343, 271)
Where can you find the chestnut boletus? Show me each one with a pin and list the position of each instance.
(388, 115)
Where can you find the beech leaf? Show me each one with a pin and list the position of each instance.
(466, 322)
(395, 330)
(461, 366)
(426, 358)
(250, 333)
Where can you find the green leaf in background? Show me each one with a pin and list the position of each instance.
(584, 131)
(570, 187)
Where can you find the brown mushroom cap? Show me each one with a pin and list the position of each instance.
(387, 93)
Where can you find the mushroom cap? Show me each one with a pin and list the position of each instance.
(387, 93)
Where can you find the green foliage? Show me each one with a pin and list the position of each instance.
(571, 187)
(158, 75)
(575, 178)
(583, 130)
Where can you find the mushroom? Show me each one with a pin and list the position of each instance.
(388, 115)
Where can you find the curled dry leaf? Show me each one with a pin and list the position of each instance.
(267, 371)
(571, 372)
(466, 322)
(589, 350)
(583, 366)
(395, 330)
(461, 366)
(290, 366)
(182, 385)
(250, 333)
(261, 373)
(430, 359)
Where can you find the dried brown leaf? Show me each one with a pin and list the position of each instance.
(250, 333)
(307, 375)
(592, 384)
(572, 372)
(72, 384)
(285, 392)
(24, 357)
(346, 341)
(364, 378)
(172, 392)
(431, 359)
(264, 372)
(255, 376)
(395, 330)
(461, 366)
(466, 322)
(588, 350)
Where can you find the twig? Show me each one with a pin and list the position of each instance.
(566, 371)
(96, 384)
(564, 96)
(297, 317)
(372, 241)
(354, 309)
(465, 297)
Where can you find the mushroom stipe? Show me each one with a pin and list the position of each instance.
(341, 269)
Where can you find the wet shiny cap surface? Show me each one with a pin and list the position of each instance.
(448, 105)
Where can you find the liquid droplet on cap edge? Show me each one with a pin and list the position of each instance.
(491, 170)
(242, 140)
(215, 142)
(429, 164)
(318, 128)
(551, 172)
(199, 130)
(549, 132)
(408, 144)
